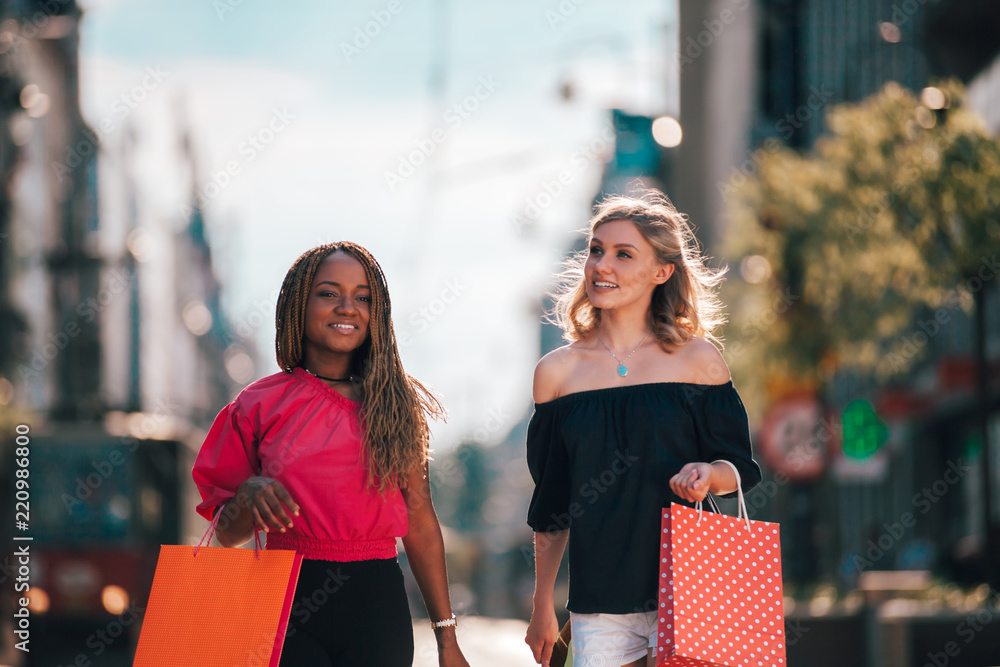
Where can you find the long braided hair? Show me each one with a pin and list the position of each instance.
(685, 306)
(395, 405)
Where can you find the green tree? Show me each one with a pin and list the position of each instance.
(893, 214)
(856, 254)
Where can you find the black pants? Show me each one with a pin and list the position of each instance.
(349, 614)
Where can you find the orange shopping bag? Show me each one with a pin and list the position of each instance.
(720, 596)
(216, 606)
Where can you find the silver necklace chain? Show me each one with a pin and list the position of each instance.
(622, 369)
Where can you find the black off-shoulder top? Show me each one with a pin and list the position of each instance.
(602, 461)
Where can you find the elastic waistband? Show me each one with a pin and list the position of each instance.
(337, 550)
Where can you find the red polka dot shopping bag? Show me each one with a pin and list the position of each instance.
(720, 597)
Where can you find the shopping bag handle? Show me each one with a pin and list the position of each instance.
(741, 511)
(257, 545)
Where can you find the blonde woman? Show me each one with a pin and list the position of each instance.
(636, 412)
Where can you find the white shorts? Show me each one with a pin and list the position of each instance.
(611, 640)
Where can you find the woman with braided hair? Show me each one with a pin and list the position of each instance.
(329, 458)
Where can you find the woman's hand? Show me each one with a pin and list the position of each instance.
(692, 483)
(542, 635)
(449, 654)
(267, 501)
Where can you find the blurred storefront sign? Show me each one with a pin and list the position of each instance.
(863, 456)
(795, 437)
(873, 469)
(958, 373)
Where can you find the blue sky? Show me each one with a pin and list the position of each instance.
(465, 280)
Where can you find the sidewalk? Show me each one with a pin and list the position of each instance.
(486, 642)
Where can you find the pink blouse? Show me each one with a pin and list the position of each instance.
(296, 429)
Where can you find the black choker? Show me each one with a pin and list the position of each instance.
(321, 377)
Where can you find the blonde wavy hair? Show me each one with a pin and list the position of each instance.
(395, 406)
(685, 306)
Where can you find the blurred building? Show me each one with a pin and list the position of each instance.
(755, 70)
(96, 294)
(821, 52)
(719, 75)
(982, 66)
(750, 71)
(114, 350)
(50, 255)
(182, 357)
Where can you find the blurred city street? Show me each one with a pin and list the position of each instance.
(164, 163)
(486, 642)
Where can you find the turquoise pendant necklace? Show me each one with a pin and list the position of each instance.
(622, 368)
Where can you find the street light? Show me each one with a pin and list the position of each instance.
(667, 131)
(933, 98)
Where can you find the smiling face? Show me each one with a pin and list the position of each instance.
(337, 311)
(622, 268)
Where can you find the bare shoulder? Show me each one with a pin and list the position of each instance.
(702, 363)
(551, 372)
